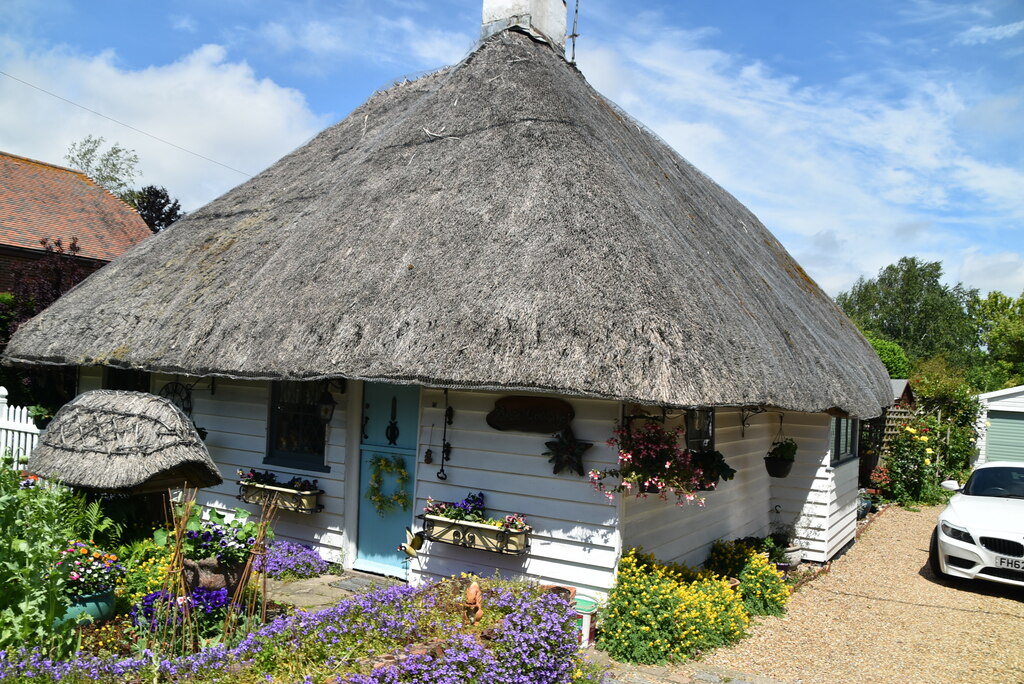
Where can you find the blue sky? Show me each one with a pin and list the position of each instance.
(859, 132)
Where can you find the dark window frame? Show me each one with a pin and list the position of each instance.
(700, 429)
(843, 434)
(305, 421)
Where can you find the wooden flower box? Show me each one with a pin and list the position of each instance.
(473, 535)
(300, 501)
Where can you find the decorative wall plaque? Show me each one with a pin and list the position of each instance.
(544, 415)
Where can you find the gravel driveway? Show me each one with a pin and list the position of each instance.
(880, 615)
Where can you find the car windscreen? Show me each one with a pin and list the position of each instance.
(1005, 482)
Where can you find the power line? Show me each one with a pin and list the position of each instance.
(121, 123)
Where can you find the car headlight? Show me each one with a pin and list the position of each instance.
(957, 533)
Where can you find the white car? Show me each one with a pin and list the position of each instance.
(980, 534)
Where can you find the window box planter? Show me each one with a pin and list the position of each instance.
(473, 535)
(298, 500)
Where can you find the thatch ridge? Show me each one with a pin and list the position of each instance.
(494, 225)
(116, 441)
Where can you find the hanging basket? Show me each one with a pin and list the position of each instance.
(781, 455)
(777, 467)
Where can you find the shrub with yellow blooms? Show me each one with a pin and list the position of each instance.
(147, 569)
(658, 613)
(762, 586)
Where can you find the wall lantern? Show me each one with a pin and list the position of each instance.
(325, 407)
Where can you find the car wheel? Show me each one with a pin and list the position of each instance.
(933, 556)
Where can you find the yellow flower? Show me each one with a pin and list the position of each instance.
(923, 438)
(929, 451)
(927, 461)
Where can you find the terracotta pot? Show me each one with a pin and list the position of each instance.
(209, 573)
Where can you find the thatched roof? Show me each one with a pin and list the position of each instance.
(129, 442)
(497, 224)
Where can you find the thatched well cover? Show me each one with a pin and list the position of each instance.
(498, 224)
(129, 442)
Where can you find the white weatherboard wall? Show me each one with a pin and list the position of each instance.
(235, 416)
(737, 508)
(818, 499)
(574, 540)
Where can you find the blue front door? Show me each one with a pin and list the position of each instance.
(387, 450)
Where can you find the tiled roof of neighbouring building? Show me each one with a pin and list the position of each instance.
(44, 201)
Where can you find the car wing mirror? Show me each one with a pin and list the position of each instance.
(951, 485)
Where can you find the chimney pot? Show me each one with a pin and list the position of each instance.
(544, 19)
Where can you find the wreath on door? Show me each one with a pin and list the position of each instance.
(384, 503)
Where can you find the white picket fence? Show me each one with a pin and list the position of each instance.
(17, 431)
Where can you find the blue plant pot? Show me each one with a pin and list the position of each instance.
(89, 608)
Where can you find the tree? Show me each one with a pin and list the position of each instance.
(155, 206)
(891, 354)
(1005, 340)
(114, 169)
(909, 305)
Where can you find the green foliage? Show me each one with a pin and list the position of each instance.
(157, 208)
(762, 586)
(114, 169)
(912, 464)
(89, 521)
(1005, 340)
(230, 542)
(658, 613)
(945, 396)
(728, 558)
(147, 569)
(892, 355)
(908, 304)
(32, 534)
(785, 449)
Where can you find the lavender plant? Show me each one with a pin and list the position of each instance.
(534, 642)
(287, 560)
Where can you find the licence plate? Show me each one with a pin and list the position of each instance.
(1012, 563)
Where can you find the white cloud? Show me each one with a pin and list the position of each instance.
(847, 176)
(978, 35)
(1003, 271)
(183, 22)
(202, 102)
(320, 44)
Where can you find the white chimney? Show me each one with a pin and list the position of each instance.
(543, 19)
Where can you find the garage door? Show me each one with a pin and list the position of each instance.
(1005, 440)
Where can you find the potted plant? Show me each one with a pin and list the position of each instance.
(90, 575)
(214, 551)
(465, 524)
(298, 494)
(652, 461)
(782, 550)
(779, 461)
